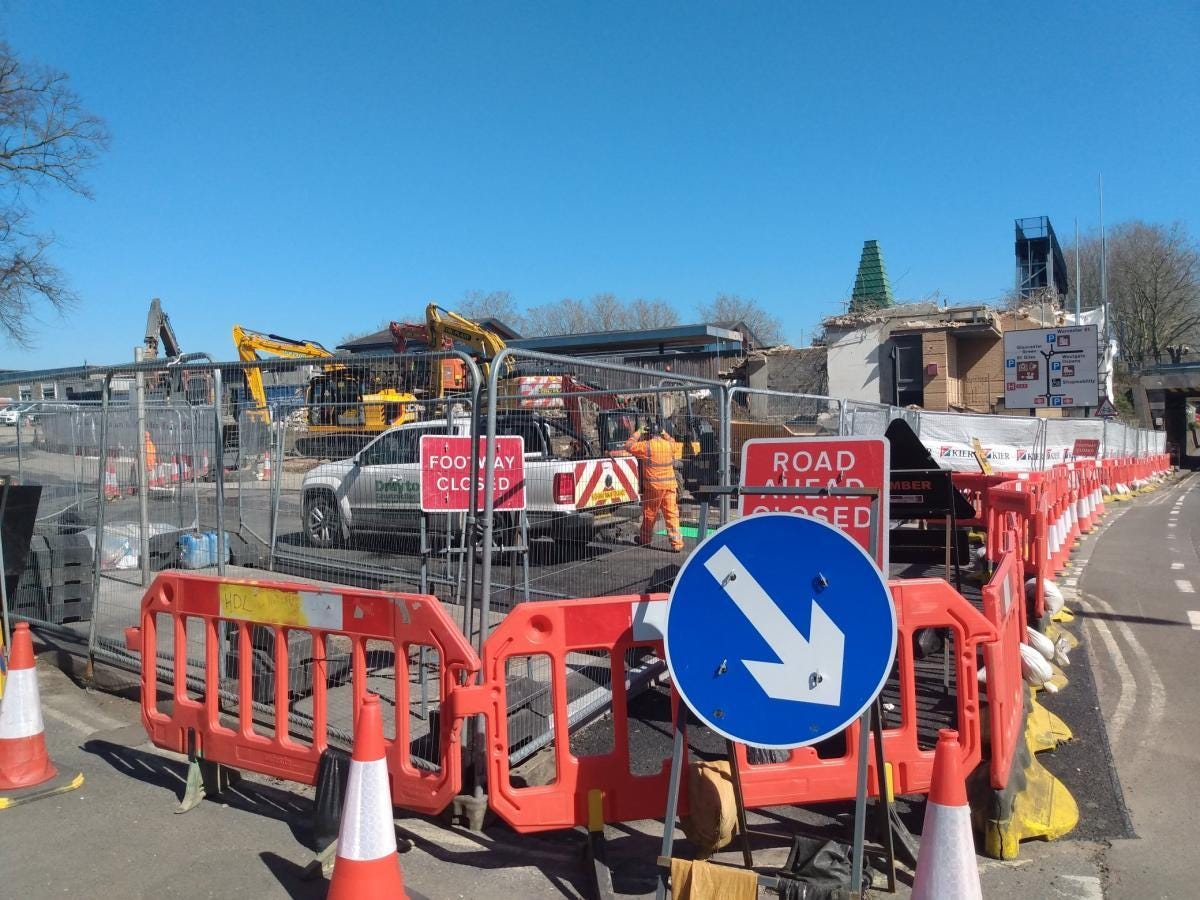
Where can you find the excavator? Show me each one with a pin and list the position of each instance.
(441, 329)
(345, 405)
(195, 388)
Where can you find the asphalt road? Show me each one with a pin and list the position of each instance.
(1141, 614)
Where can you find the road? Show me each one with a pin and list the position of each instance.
(1140, 608)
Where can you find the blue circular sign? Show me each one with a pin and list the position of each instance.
(780, 630)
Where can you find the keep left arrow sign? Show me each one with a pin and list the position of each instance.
(809, 669)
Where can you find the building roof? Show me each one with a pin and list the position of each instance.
(673, 338)
(872, 290)
(381, 340)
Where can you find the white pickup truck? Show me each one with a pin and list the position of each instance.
(378, 489)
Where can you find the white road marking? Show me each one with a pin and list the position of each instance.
(85, 720)
(1148, 722)
(1176, 566)
(1184, 586)
(1194, 618)
(1127, 695)
(1077, 887)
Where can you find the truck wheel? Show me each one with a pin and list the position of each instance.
(322, 520)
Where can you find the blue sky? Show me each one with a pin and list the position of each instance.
(312, 169)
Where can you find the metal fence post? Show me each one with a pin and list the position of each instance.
(20, 471)
(143, 475)
(725, 424)
(98, 543)
(220, 481)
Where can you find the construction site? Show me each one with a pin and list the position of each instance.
(456, 537)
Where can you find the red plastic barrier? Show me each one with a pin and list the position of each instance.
(805, 777)
(222, 727)
(1004, 606)
(556, 629)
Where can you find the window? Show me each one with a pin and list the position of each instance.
(910, 375)
(393, 448)
(49, 391)
(25, 392)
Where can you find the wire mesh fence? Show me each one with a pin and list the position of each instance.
(311, 469)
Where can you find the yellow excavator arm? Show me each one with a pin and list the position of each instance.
(443, 324)
(250, 343)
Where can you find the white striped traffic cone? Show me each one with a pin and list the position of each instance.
(946, 864)
(367, 867)
(24, 761)
(112, 489)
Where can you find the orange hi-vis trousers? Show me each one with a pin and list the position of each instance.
(666, 501)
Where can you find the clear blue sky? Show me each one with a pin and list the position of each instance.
(312, 171)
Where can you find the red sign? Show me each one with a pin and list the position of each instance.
(802, 462)
(1086, 447)
(446, 473)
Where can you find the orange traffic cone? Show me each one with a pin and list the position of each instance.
(946, 864)
(24, 761)
(264, 471)
(112, 489)
(367, 866)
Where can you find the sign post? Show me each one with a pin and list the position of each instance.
(781, 631)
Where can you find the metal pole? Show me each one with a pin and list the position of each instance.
(98, 543)
(860, 805)
(20, 473)
(143, 480)
(195, 467)
(220, 482)
(4, 570)
(726, 445)
(1078, 312)
(1104, 266)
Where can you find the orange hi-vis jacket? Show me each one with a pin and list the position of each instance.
(657, 454)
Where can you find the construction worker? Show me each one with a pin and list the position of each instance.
(660, 491)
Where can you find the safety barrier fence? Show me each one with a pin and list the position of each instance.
(208, 717)
(348, 641)
(1004, 607)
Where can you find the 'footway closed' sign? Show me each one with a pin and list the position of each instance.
(843, 462)
(446, 473)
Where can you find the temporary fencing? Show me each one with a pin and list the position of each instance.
(318, 485)
(227, 709)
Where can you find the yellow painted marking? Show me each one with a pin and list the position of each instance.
(595, 810)
(304, 609)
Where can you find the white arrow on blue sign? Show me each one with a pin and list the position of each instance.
(780, 630)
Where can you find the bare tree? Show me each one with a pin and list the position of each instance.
(731, 308)
(47, 140)
(652, 314)
(601, 312)
(500, 305)
(1153, 289)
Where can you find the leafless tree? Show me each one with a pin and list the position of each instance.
(1153, 289)
(601, 312)
(47, 140)
(731, 308)
(500, 305)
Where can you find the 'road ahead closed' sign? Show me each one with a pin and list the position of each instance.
(818, 462)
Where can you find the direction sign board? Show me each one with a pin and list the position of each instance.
(780, 630)
(446, 473)
(819, 462)
(1051, 367)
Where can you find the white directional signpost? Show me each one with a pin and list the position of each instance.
(1051, 368)
(780, 631)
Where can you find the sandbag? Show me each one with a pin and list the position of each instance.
(713, 818)
(1039, 642)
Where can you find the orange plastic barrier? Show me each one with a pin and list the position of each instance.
(556, 629)
(1004, 606)
(806, 778)
(221, 728)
